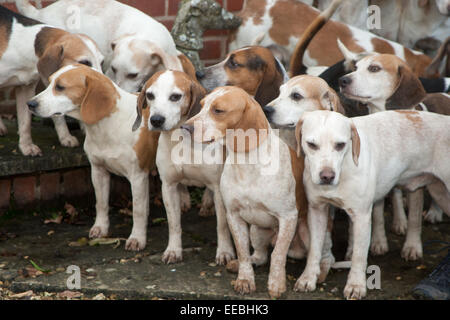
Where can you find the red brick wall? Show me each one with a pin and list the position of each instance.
(164, 11)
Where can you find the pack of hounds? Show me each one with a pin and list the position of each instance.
(357, 118)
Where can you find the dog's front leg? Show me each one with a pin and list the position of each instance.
(356, 281)
(379, 243)
(440, 195)
(399, 222)
(317, 222)
(412, 249)
(277, 275)
(26, 145)
(245, 282)
(225, 250)
(101, 182)
(171, 198)
(64, 136)
(139, 189)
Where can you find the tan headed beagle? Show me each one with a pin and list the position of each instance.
(108, 113)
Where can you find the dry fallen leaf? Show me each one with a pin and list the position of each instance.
(69, 294)
(22, 295)
(100, 296)
(56, 220)
(126, 212)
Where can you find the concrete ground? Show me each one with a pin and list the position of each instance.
(110, 272)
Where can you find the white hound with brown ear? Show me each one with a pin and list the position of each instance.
(135, 45)
(353, 163)
(108, 113)
(172, 97)
(385, 82)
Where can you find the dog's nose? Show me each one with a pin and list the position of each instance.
(188, 127)
(268, 111)
(327, 176)
(157, 121)
(200, 75)
(32, 105)
(344, 81)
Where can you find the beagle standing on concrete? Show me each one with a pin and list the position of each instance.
(353, 163)
(30, 50)
(170, 98)
(261, 185)
(385, 82)
(108, 113)
(135, 45)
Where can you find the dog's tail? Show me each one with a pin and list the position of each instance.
(296, 65)
(27, 9)
(432, 71)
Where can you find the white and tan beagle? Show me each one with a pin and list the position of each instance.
(170, 98)
(108, 113)
(135, 45)
(30, 51)
(254, 69)
(275, 202)
(353, 163)
(284, 21)
(385, 82)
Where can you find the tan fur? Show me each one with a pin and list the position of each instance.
(356, 145)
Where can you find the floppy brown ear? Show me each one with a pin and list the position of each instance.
(356, 144)
(409, 91)
(269, 86)
(141, 104)
(99, 100)
(50, 61)
(197, 93)
(330, 101)
(188, 66)
(298, 136)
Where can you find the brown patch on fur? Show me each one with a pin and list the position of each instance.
(4, 39)
(92, 91)
(413, 116)
(188, 66)
(146, 148)
(380, 45)
(253, 10)
(438, 103)
(356, 144)
(190, 86)
(417, 63)
(298, 165)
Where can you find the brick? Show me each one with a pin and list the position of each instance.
(167, 23)
(24, 191)
(211, 50)
(213, 33)
(5, 193)
(234, 5)
(75, 183)
(154, 8)
(49, 186)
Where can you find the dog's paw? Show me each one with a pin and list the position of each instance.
(98, 232)
(412, 251)
(244, 286)
(379, 247)
(434, 215)
(325, 266)
(69, 141)
(223, 257)
(207, 210)
(258, 259)
(185, 202)
(233, 266)
(30, 150)
(306, 283)
(349, 253)
(172, 256)
(399, 227)
(355, 290)
(134, 244)
(276, 286)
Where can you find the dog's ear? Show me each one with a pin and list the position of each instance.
(50, 61)
(197, 93)
(356, 144)
(330, 101)
(99, 100)
(409, 91)
(141, 105)
(188, 66)
(298, 136)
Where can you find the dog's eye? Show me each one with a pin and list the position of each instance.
(218, 111)
(59, 87)
(296, 96)
(86, 63)
(373, 68)
(150, 96)
(312, 146)
(339, 146)
(232, 64)
(132, 75)
(175, 97)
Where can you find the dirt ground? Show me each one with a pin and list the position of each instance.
(34, 257)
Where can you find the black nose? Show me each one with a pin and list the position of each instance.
(32, 105)
(188, 128)
(157, 121)
(200, 75)
(327, 176)
(344, 81)
(268, 111)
